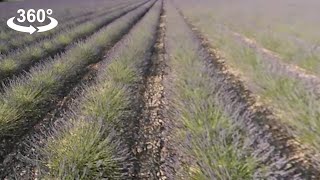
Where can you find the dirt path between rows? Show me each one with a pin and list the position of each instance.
(150, 147)
(149, 123)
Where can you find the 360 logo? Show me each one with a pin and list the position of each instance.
(32, 16)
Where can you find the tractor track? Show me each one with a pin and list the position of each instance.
(151, 152)
(285, 157)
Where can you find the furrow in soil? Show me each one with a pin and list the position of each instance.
(151, 149)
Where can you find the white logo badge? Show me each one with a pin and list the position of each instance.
(31, 17)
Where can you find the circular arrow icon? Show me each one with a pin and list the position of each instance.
(31, 29)
(16, 27)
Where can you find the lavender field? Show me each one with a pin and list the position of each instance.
(161, 89)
